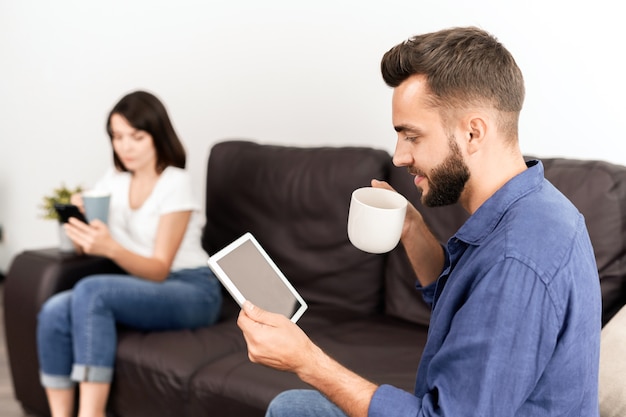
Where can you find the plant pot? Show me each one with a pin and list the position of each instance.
(65, 243)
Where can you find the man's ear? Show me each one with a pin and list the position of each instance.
(475, 134)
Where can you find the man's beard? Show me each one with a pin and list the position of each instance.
(447, 180)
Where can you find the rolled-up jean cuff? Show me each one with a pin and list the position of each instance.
(56, 381)
(85, 373)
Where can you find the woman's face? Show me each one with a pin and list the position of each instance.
(134, 148)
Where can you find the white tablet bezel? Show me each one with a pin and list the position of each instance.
(232, 288)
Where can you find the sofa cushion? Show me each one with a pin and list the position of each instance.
(379, 348)
(298, 198)
(152, 369)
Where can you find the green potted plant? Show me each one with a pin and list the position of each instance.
(60, 195)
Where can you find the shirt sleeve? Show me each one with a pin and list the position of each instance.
(495, 345)
(391, 401)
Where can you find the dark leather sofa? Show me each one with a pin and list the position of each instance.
(363, 309)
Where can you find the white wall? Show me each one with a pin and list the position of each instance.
(282, 71)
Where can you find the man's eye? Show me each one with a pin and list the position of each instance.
(411, 139)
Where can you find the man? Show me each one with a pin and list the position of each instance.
(515, 326)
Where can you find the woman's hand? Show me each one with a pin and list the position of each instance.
(77, 200)
(93, 238)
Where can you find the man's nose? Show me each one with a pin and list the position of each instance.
(401, 155)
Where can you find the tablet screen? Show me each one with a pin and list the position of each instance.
(248, 273)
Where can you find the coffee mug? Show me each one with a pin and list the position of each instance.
(375, 219)
(96, 206)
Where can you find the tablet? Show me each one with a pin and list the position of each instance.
(248, 273)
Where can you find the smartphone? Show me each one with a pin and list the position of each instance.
(65, 211)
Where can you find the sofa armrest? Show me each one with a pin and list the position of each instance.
(33, 277)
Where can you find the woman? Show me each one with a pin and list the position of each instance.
(153, 234)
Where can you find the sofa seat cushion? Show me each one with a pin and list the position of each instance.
(295, 201)
(380, 348)
(153, 370)
(235, 384)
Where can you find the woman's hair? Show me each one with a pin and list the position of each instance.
(464, 67)
(144, 111)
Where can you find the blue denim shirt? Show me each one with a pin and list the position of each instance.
(516, 318)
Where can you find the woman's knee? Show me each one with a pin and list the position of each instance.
(55, 309)
(90, 294)
(54, 317)
(93, 287)
(92, 284)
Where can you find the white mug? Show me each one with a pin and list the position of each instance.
(375, 219)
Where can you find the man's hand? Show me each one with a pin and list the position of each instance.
(422, 247)
(412, 215)
(274, 340)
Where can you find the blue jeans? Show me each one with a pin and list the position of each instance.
(77, 329)
(302, 403)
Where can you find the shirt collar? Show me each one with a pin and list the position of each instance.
(488, 215)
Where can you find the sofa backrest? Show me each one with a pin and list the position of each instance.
(295, 202)
(596, 188)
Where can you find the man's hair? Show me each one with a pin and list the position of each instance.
(464, 67)
(144, 111)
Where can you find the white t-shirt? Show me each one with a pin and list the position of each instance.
(136, 229)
